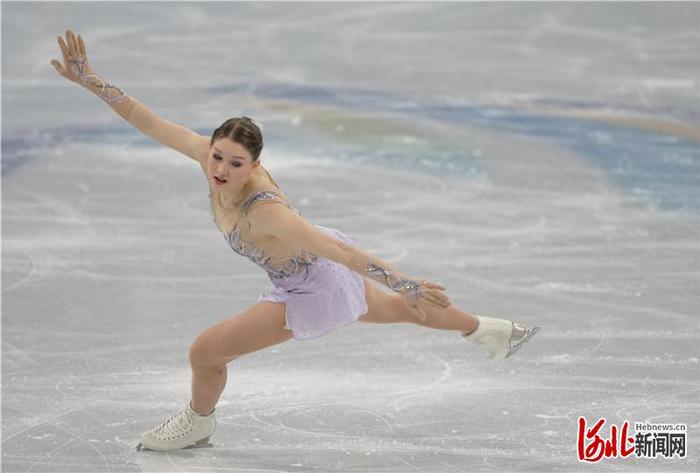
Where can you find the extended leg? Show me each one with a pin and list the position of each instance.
(390, 308)
(500, 338)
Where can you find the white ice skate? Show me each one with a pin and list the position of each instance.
(500, 338)
(186, 429)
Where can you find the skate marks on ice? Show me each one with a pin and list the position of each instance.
(62, 448)
(334, 414)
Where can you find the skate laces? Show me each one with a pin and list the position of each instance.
(176, 426)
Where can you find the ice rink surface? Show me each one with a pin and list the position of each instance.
(540, 160)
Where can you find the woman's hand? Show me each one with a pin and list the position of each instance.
(75, 59)
(425, 294)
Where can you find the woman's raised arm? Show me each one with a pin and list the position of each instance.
(77, 69)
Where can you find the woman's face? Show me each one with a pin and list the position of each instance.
(229, 164)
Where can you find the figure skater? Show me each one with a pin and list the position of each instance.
(321, 280)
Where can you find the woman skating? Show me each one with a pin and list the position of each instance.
(322, 281)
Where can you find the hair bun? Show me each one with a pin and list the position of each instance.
(251, 121)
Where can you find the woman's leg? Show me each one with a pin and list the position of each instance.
(386, 308)
(259, 327)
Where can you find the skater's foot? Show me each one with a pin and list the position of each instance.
(182, 430)
(500, 338)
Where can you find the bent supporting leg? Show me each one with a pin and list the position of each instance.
(207, 385)
(259, 327)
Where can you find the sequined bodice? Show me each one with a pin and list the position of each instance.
(295, 263)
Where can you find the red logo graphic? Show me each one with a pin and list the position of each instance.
(597, 447)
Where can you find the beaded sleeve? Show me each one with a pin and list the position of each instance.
(381, 272)
(110, 93)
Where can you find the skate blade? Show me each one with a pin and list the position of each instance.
(204, 443)
(530, 333)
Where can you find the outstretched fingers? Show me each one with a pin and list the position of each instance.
(427, 296)
(72, 49)
(435, 294)
(433, 285)
(81, 46)
(57, 65)
(64, 49)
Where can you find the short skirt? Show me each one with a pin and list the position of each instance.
(324, 296)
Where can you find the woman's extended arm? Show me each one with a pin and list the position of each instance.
(77, 69)
(279, 221)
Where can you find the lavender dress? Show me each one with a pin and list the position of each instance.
(320, 295)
